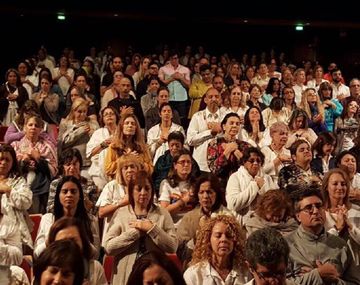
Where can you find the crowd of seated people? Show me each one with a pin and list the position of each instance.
(242, 172)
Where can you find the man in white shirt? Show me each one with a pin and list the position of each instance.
(204, 126)
(340, 90)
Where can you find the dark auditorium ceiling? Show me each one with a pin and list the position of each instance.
(271, 12)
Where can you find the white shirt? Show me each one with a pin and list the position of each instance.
(199, 136)
(242, 190)
(269, 167)
(204, 273)
(340, 89)
(153, 137)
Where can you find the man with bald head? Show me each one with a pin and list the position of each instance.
(124, 100)
(204, 126)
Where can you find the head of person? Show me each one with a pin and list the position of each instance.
(267, 256)
(78, 111)
(218, 83)
(33, 126)
(154, 267)
(350, 109)
(252, 160)
(28, 109)
(165, 112)
(301, 153)
(71, 229)
(60, 263)
(336, 75)
(69, 196)
(255, 92)
(309, 209)
(231, 125)
(153, 68)
(9, 166)
(76, 92)
(174, 57)
(289, 95)
(129, 127)
(141, 191)
(245, 85)
(273, 86)
(176, 142)
(109, 116)
(299, 76)
(336, 187)
(324, 145)
(163, 95)
(70, 163)
(154, 84)
(12, 77)
(24, 68)
(181, 167)
(212, 99)
(220, 238)
(128, 165)
(236, 97)
(277, 104)
(117, 76)
(252, 115)
(279, 133)
(80, 80)
(347, 161)
(298, 120)
(355, 87)
(207, 192)
(274, 206)
(325, 91)
(117, 63)
(205, 72)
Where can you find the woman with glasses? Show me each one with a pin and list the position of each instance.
(99, 142)
(245, 185)
(176, 194)
(342, 217)
(218, 257)
(138, 229)
(288, 94)
(69, 202)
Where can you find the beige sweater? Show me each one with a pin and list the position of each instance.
(122, 241)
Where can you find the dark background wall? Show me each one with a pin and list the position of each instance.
(331, 34)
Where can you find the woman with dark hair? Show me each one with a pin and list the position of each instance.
(26, 75)
(323, 150)
(155, 268)
(12, 97)
(333, 108)
(246, 184)
(99, 142)
(272, 91)
(64, 75)
(276, 112)
(347, 161)
(274, 209)
(15, 194)
(70, 164)
(347, 126)
(69, 202)
(128, 139)
(209, 199)
(299, 128)
(72, 228)
(15, 130)
(288, 94)
(255, 92)
(224, 153)
(237, 102)
(60, 263)
(253, 130)
(157, 136)
(175, 191)
(138, 228)
(218, 257)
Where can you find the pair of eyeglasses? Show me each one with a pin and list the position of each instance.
(252, 161)
(271, 275)
(310, 208)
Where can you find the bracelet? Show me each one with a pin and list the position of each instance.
(103, 145)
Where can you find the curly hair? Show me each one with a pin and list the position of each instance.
(203, 252)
